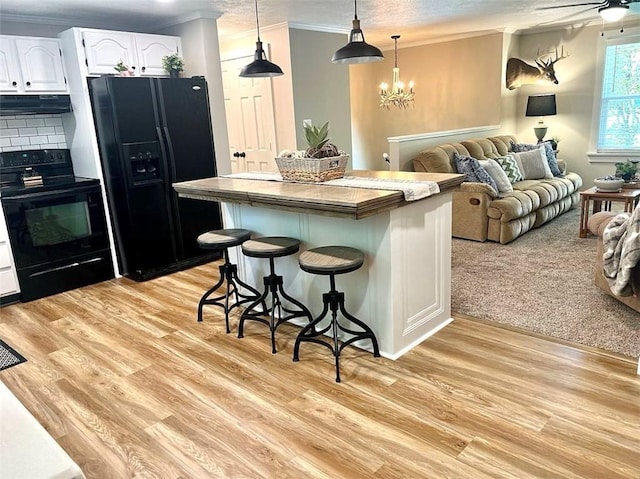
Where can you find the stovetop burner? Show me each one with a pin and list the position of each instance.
(35, 171)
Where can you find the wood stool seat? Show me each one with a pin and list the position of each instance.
(272, 247)
(331, 261)
(222, 240)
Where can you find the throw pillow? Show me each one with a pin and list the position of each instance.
(469, 166)
(497, 173)
(520, 147)
(534, 165)
(510, 166)
(551, 159)
(548, 148)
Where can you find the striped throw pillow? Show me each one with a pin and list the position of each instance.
(510, 167)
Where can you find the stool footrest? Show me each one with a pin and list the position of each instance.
(228, 277)
(334, 301)
(272, 315)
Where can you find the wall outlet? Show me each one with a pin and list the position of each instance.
(306, 123)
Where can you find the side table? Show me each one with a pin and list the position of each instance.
(630, 198)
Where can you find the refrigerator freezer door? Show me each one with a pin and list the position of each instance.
(126, 123)
(186, 126)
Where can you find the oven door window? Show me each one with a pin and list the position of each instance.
(54, 227)
(50, 225)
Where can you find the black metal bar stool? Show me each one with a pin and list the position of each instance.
(272, 247)
(333, 260)
(221, 240)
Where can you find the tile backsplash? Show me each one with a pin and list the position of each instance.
(31, 132)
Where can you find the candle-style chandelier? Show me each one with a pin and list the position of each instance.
(397, 96)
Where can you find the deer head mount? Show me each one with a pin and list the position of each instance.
(521, 73)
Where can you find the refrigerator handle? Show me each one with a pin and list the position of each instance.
(171, 157)
(168, 158)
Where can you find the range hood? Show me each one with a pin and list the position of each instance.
(34, 104)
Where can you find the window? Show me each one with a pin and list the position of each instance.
(619, 125)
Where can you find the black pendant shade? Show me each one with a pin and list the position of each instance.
(357, 50)
(260, 66)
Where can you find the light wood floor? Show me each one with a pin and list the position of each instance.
(130, 385)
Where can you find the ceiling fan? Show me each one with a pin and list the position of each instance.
(609, 10)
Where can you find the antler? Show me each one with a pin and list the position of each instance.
(545, 64)
(562, 55)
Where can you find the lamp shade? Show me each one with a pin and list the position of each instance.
(357, 50)
(260, 66)
(541, 105)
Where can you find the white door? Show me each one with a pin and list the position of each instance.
(151, 49)
(250, 118)
(105, 49)
(41, 65)
(10, 79)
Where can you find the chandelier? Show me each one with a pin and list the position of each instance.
(397, 96)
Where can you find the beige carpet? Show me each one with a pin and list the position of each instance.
(543, 282)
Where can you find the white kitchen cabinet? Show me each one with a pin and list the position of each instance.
(8, 278)
(143, 52)
(31, 65)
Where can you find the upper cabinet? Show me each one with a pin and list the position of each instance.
(31, 65)
(142, 52)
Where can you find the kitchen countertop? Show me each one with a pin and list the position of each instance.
(314, 198)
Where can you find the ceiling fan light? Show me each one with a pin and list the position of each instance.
(613, 13)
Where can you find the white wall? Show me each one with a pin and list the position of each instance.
(457, 85)
(320, 88)
(201, 54)
(577, 76)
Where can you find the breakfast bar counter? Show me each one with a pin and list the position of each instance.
(403, 292)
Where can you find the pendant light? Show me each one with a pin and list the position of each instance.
(260, 66)
(397, 96)
(357, 50)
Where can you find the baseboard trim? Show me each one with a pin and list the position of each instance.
(564, 342)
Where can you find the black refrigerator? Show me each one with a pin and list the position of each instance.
(153, 132)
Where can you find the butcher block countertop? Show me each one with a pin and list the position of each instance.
(313, 198)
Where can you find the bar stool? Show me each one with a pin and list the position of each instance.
(272, 247)
(221, 240)
(333, 260)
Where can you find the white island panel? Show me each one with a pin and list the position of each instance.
(403, 289)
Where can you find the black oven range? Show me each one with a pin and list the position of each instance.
(56, 223)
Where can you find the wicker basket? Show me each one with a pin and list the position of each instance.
(311, 170)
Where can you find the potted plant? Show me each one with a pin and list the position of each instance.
(626, 170)
(123, 69)
(321, 161)
(173, 65)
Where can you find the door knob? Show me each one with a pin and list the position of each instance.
(242, 155)
(236, 155)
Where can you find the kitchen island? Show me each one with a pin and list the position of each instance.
(403, 292)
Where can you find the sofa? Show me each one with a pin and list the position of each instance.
(480, 212)
(596, 225)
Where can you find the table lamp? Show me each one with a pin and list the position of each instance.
(541, 105)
